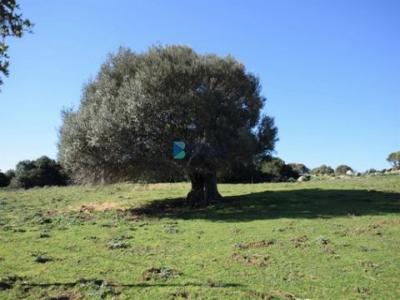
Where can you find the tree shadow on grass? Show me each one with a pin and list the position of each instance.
(303, 203)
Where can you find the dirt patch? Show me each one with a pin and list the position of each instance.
(299, 241)
(374, 229)
(275, 295)
(258, 244)
(66, 296)
(94, 207)
(251, 259)
(388, 222)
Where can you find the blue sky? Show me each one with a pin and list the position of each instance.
(330, 69)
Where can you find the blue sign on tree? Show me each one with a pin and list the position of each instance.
(178, 150)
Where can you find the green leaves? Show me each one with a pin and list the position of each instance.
(12, 24)
(394, 158)
(140, 103)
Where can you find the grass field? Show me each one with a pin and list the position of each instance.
(330, 239)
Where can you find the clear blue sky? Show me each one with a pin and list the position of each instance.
(330, 69)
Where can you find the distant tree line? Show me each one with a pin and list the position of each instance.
(48, 172)
(30, 173)
(268, 169)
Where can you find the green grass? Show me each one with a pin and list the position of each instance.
(331, 239)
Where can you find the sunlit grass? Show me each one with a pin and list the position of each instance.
(331, 239)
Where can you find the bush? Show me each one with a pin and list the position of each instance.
(240, 173)
(322, 170)
(275, 169)
(268, 169)
(301, 169)
(371, 171)
(342, 169)
(10, 174)
(4, 180)
(41, 172)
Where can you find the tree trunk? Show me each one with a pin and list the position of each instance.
(201, 168)
(204, 189)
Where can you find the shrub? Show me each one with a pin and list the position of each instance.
(10, 174)
(342, 169)
(275, 169)
(322, 170)
(40, 172)
(241, 173)
(4, 180)
(371, 171)
(301, 169)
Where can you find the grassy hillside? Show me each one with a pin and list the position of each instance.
(333, 239)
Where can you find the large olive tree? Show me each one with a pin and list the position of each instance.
(138, 104)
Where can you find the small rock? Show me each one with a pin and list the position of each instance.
(303, 178)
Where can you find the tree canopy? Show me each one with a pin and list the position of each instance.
(300, 168)
(4, 180)
(394, 159)
(12, 24)
(342, 169)
(40, 172)
(275, 169)
(138, 104)
(322, 170)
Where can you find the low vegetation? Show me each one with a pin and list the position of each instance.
(343, 170)
(323, 170)
(40, 172)
(322, 239)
